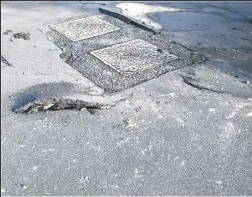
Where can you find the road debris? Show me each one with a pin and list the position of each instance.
(25, 36)
(6, 32)
(56, 104)
(20, 185)
(66, 103)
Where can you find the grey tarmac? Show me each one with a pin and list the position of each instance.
(181, 131)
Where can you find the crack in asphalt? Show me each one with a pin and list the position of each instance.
(194, 83)
(5, 61)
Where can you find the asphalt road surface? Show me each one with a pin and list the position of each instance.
(186, 132)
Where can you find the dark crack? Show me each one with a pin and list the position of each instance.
(196, 84)
(5, 61)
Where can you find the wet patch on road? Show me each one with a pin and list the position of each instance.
(218, 33)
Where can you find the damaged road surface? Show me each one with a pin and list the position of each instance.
(169, 118)
(66, 103)
(56, 104)
(42, 97)
(114, 54)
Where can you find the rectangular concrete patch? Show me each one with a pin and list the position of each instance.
(133, 56)
(84, 28)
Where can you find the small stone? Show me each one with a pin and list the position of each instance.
(126, 121)
(246, 82)
(21, 185)
(137, 109)
(35, 168)
(218, 182)
(235, 50)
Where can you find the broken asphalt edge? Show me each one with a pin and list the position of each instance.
(69, 103)
(127, 20)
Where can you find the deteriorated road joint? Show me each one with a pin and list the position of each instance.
(5, 61)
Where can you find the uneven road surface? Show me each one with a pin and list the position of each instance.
(179, 103)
